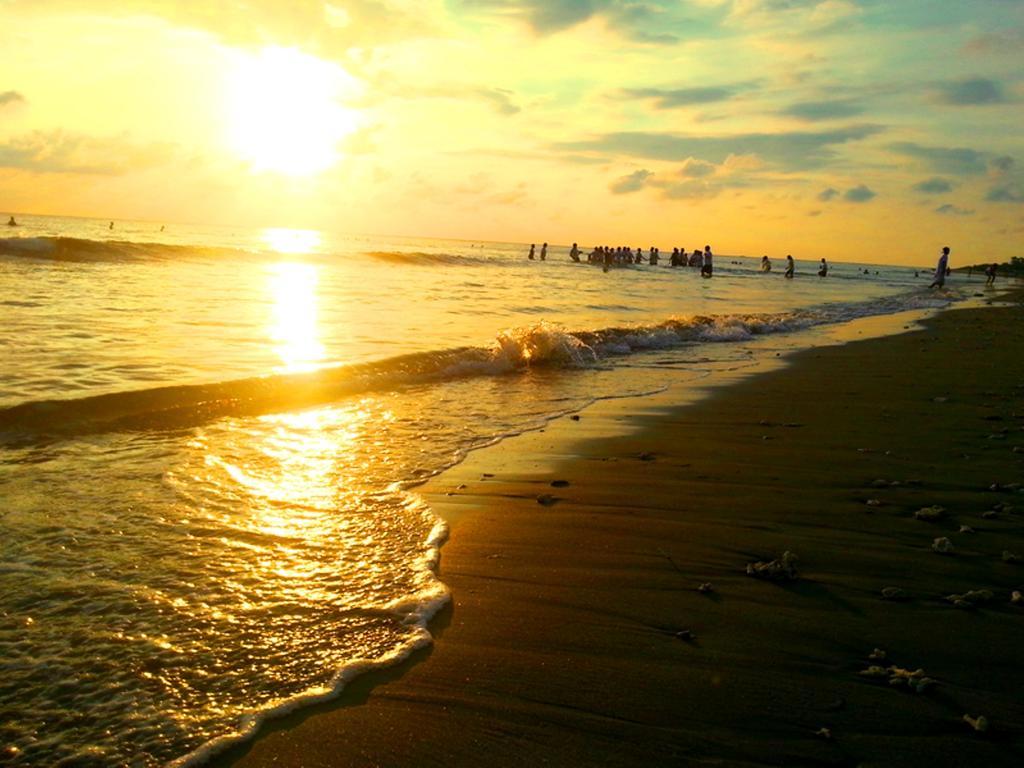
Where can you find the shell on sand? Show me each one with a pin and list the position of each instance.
(943, 546)
(930, 514)
(979, 723)
(971, 598)
(783, 568)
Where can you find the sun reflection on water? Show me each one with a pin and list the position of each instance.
(294, 329)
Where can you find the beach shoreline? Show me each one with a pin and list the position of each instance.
(578, 632)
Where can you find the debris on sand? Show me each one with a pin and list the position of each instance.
(1016, 598)
(646, 456)
(1010, 557)
(877, 655)
(705, 588)
(575, 417)
(930, 514)
(989, 514)
(966, 529)
(685, 635)
(873, 502)
(893, 593)
(559, 483)
(546, 499)
(824, 733)
(782, 569)
(971, 599)
(898, 677)
(979, 723)
(943, 546)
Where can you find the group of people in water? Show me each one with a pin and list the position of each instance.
(702, 259)
(607, 256)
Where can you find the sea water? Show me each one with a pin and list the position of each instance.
(210, 440)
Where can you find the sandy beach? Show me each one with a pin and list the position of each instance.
(579, 632)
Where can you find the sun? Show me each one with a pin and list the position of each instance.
(285, 112)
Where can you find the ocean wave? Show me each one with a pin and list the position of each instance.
(420, 258)
(84, 250)
(542, 344)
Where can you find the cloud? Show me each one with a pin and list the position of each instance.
(933, 186)
(1005, 194)
(643, 22)
(686, 97)
(995, 42)
(793, 15)
(632, 182)
(789, 150)
(61, 152)
(10, 97)
(318, 27)
(823, 110)
(951, 210)
(501, 99)
(960, 161)
(827, 194)
(858, 194)
(1001, 165)
(694, 168)
(975, 91)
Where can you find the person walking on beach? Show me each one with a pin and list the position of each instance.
(532, 247)
(706, 267)
(941, 269)
(790, 267)
(823, 269)
(990, 274)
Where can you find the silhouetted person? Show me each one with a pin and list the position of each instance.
(544, 252)
(574, 254)
(823, 269)
(941, 269)
(11, 222)
(766, 265)
(532, 247)
(790, 267)
(111, 225)
(990, 274)
(706, 267)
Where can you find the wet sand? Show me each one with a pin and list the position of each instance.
(578, 633)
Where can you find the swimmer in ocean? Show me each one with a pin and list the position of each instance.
(790, 267)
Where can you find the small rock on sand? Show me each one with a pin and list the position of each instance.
(559, 483)
(575, 417)
(546, 499)
(1010, 557)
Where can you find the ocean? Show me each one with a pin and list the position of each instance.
(210, 441)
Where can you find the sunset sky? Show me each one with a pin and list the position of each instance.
(837, 128)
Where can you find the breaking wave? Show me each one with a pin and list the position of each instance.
(542, 344)
(83, 250)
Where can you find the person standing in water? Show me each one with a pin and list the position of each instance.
(823, 269)
(790, 267)
(532, 247)
(706, 267)
(11, 222)
(941, 269)
(544, 252)
(766, 265)
(574, 254)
